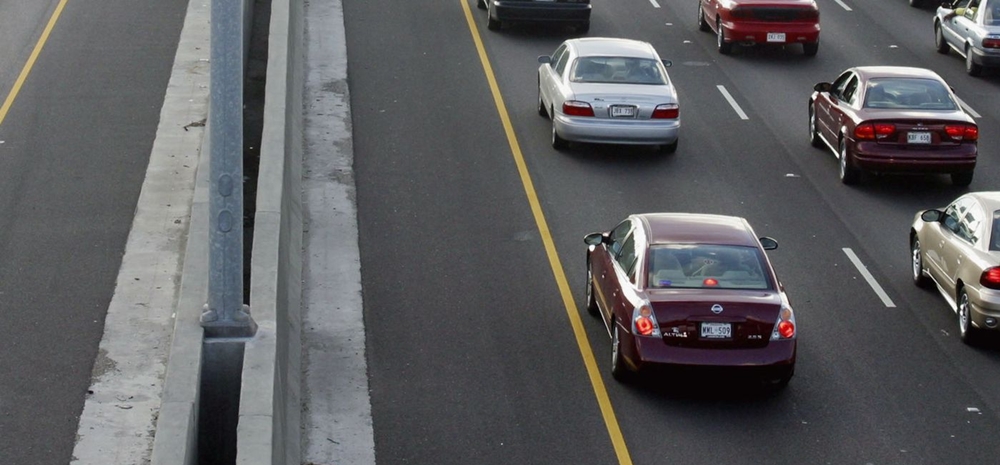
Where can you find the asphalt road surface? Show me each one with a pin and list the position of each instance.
(473, 262)
(74, 145)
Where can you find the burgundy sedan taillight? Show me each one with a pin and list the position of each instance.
(784, 328)
(577, 108)
(873, 131)
(644, 322)
(966, 132)
(991, 278)
(666, 111)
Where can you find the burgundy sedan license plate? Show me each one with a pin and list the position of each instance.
(918, 138)
(716, 330)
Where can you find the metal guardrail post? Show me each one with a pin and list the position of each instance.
(225, 315)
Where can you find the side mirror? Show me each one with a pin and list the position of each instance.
(667, 63)
(932, 216)
(768, 244)
(823, 87)
(543, 59)
(594, 239)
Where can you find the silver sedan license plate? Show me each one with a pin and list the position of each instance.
(622, 111)
(918, 138)
(716, 330)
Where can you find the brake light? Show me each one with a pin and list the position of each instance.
(666, 111)
(710, 282)
(884, 130)
(644, 322)
(962, 132)
(991, 278)
(864, 131)
(784, 328)
(811, 14)
(991, 42)
(577, 108)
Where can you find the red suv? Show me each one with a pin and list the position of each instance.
(750, 22)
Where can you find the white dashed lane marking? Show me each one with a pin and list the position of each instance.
(732, 102)
(868, 277)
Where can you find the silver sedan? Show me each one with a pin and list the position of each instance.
(606, 90)
(971, 28)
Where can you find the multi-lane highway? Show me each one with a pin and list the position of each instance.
(471, 230)
(81, 84)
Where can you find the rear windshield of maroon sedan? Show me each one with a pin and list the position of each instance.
(706, 266)
(619, 70)
(908, 94)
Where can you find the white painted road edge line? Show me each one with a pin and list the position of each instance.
(868, 277)
(968, 109)
(844, 5)
(655, 5)
(732, 102)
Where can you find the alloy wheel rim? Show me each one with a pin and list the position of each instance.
(963, 314)
(917, 266)
(614, 347)
(843, 160)
(590, 285)
(719, 37)
(812, 123)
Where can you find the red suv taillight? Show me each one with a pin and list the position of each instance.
(666, 111)
(577, 108)
(871, 131)
(991, 278)
(962, 132)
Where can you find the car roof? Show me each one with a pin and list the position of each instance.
(989, 200)
(609, 46)
(869, 72)
(697, 228)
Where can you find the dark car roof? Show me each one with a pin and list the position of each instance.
(869, 72)
(696, 228)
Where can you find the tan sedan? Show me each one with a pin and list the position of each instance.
(958, 250)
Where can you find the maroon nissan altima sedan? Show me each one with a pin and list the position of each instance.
(690, 290)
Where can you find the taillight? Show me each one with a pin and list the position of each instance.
(577, 108)
(784, 328)
(991, 42)
(810, 14)
(967, 132)
(644, 322)
(869, 131)
(991, 278)
(666, 111)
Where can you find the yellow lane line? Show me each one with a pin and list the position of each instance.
(31, 60)
(600, 391)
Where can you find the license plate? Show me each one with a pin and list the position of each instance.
(918, 138)
(622, 111)
(775, 36)
(716, 330)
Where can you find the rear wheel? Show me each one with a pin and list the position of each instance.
(939, 43)
(669, 148)
(813, 134)
(558, 143)
(619, 370)
(492, 23)
(541, 105)
(917, 257)
(916, 3)
(810, 49)
(971, 67)
(848, 174)
(481, 4)
(966, 331)
(961, 179)
(725, 48)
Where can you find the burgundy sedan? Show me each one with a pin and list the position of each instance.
(690, 290)
(893, 119)
(770, 22)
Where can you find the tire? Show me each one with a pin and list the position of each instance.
(917, 260)
(971, 66)
(541, 105)
(814, 138)
(781, 382)
(966, 331)
(939, 43)
(592, 308)
(492, 23)
(583, 28)
(558, 143)
(669, 148)
(848, 174)
(916, 3)
(725, 48)
(702, 24)
(961, 179)
(481, 4)
(619, 369)
(810, 49)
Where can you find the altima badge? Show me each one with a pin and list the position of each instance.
(717, 309)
